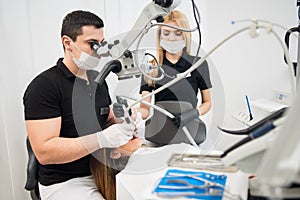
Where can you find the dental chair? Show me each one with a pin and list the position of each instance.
(32, 173)
(160, 130)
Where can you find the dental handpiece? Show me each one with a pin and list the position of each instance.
(125, 105)
(127, 117)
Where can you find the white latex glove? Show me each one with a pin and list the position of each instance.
(140, 125)
(116, 135)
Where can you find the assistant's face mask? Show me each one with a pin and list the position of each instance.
(172, 47)
(85, 61)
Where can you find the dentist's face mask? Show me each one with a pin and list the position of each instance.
(85, 61)
(172, 47)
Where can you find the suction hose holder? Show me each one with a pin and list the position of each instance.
(287, 42)
(112, 66)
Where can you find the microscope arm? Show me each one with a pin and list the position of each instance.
(119, 50)
(151, 12)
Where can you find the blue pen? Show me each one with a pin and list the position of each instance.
(249, 109)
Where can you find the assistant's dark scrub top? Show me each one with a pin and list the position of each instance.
(187, 88)
(83, 108)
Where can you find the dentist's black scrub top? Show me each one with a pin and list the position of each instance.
(83, 107)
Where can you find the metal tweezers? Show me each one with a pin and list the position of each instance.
(194, 176)
(211, 188)
(189, 194)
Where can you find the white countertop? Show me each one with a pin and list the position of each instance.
(147, 165)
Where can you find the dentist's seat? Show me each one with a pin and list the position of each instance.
(159, 129)
(32, 173)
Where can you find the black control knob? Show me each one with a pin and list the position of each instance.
(128, 54)
(160, 19)
(164, 3)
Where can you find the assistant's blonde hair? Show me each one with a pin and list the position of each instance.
(182, 22)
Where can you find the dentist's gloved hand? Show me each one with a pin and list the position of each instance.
(116, 135)
(140, 126)
(185, 118)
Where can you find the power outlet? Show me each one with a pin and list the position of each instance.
(282, 97)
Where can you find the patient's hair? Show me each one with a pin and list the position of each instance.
(104, 169)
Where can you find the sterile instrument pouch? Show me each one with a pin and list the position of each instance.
(191, 184)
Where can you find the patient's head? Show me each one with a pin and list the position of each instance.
(126, 150)
(106, 163)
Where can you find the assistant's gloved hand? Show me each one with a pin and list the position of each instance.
(116, 135)
(186, 117)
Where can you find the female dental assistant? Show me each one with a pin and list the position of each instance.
(173, 55)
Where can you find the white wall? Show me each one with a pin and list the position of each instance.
(247, 66)
(30, 43)
(16, 69)
(255, 64)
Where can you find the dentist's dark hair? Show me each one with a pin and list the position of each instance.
(74, 21)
